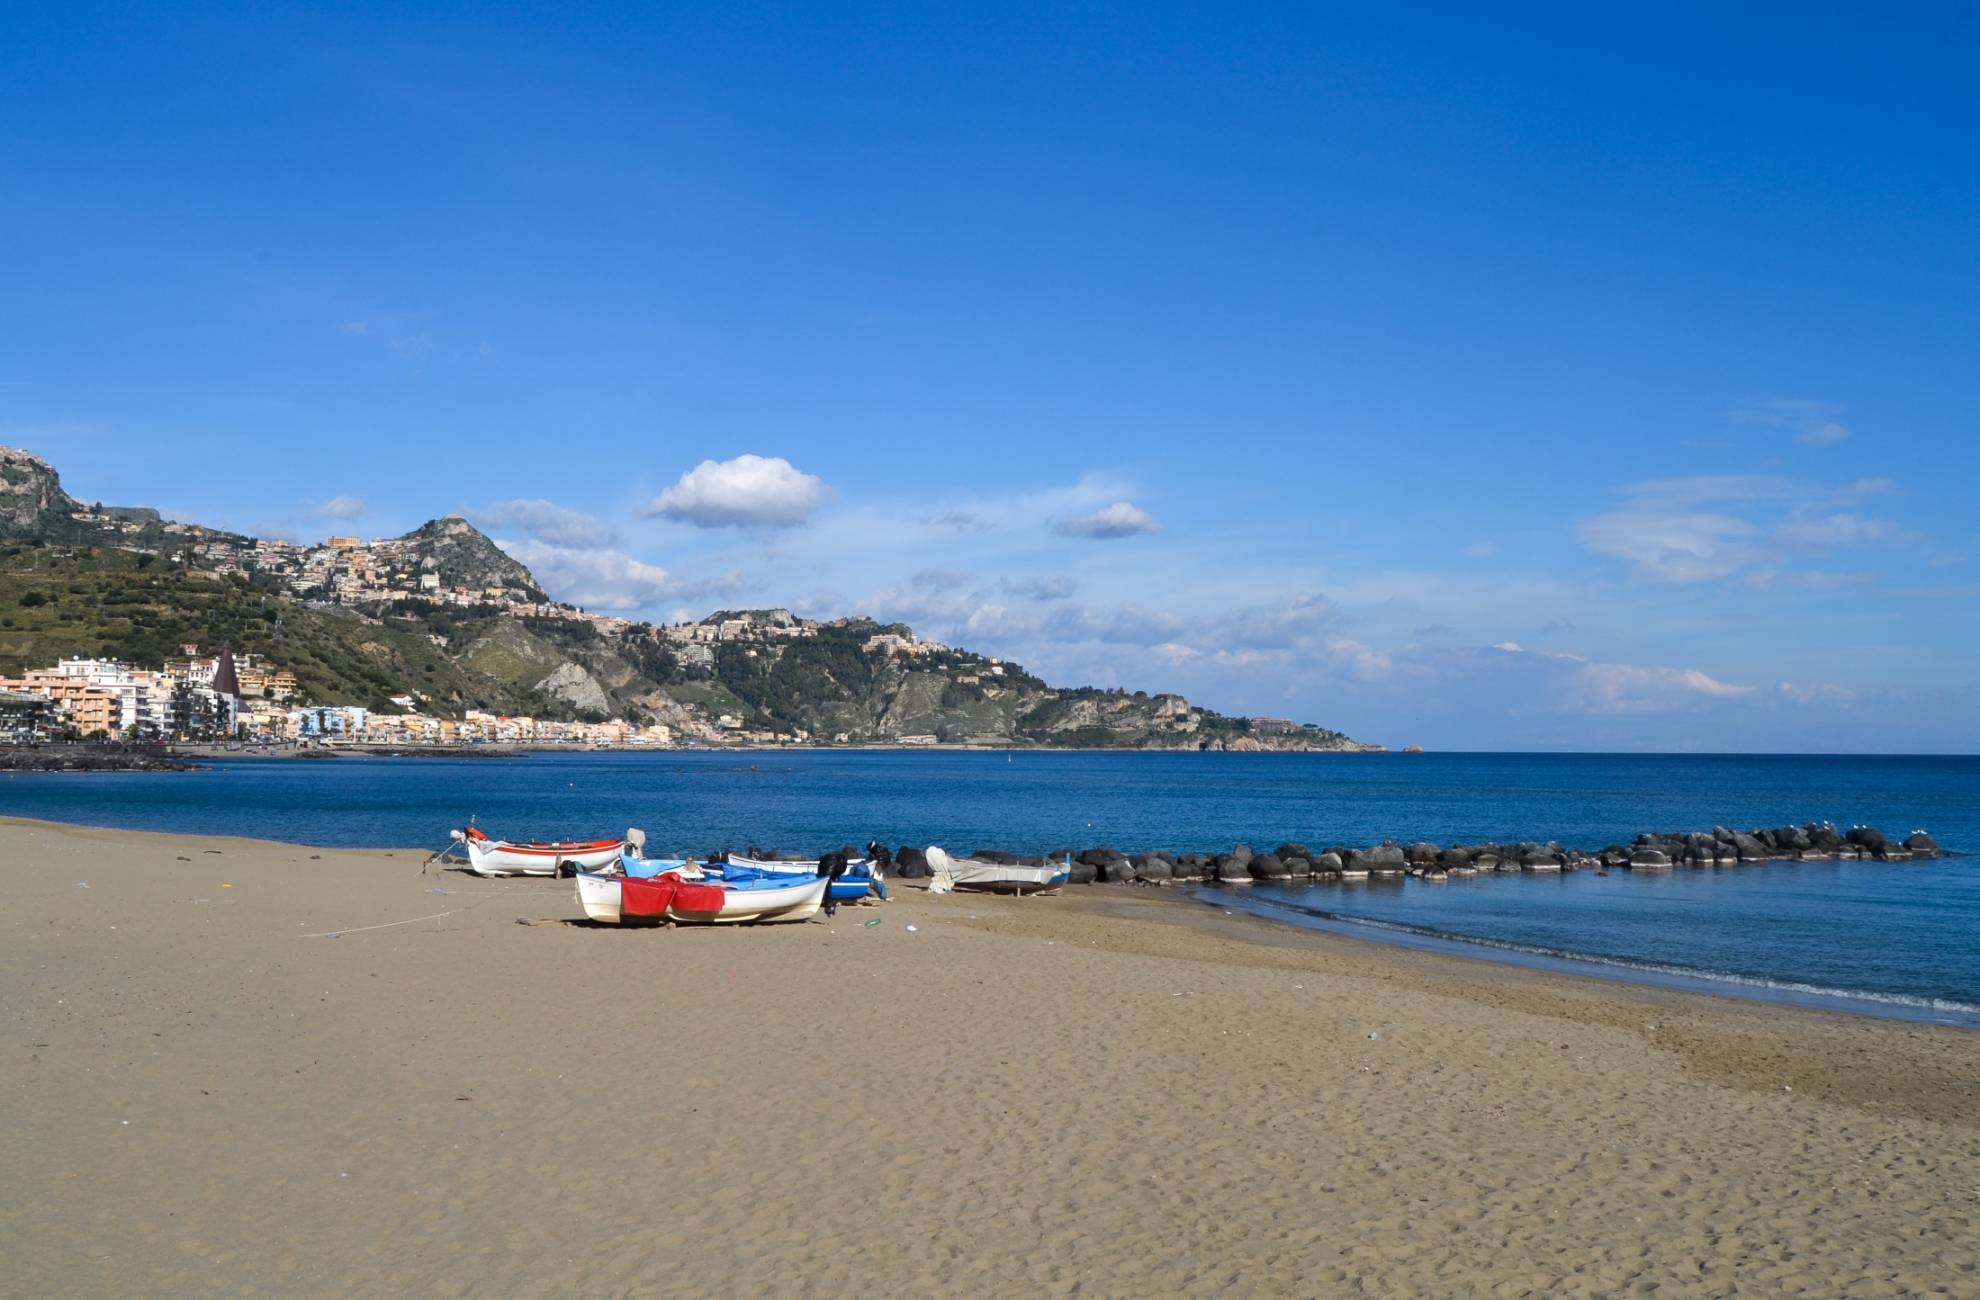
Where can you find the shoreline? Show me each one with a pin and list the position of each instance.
(237, 1065)
(1349, 928)
(1387, 936)
(1574, 964)
(1405, 936)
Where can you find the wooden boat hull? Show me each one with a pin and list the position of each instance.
(599, 896)
(788, 867)
(500, 858)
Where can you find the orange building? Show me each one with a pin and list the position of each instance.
(88, 709)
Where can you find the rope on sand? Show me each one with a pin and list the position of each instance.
(386, 925)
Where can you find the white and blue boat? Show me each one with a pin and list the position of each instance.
(853, 884)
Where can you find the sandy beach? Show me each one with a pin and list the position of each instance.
(242, 1068)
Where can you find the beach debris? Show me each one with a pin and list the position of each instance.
(875, 921)
(184, 858)
(911, 929)
(214, 852)
(82, 884)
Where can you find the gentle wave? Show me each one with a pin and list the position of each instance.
(1946, 1006)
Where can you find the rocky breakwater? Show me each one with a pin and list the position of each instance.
(88, 758)
(1295, 863)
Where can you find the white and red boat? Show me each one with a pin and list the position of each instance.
(488, 857)
(676, 896)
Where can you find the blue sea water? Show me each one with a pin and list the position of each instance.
(1896, 935)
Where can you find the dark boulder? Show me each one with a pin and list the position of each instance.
(1298, 868)
(1792, 839)
(1823, 836)
(1269, 867)
(1294, 851)
(1750, 849)
(1081, 873)
(1242, 853)
(1193, 866)
(1155, 868)
(1118, 870)
(1233, 871)
(910, 863)
(1920, 842)
(1329, 863)
(1420, 854)
(1385, 858)
(1457, 856)
(1649, 859)
(1867, 837)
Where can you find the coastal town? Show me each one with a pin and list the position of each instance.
(119, 624)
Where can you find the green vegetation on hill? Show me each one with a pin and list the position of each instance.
(60, 601)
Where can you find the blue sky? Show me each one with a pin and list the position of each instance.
(1579, 380)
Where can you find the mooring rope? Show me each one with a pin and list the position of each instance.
(386, 925)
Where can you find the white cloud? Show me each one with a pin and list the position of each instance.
(1759, 526)
(1826, 693)
(1287, 623)
(940, 579)
(1633, 688)
(1121, 519)
(1041, 588)
(749, 491)
(1811, 423)
(340, 508)
(606, 579)
(962, 521)
(1839, 529)
(545, 520)
(1672, 548)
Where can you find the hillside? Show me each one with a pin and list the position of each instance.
(444, 616)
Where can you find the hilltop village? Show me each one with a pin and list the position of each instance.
(115, 621)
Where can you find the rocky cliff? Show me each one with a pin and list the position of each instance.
(444, 616)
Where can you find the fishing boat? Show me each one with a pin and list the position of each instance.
(674, 896)
(993, 877)
(853, 884)
(488, 857)
(786, 866)
(633, 863)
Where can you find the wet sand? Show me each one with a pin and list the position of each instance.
(1105, 1094)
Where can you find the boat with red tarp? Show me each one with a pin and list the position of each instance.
(677, 896)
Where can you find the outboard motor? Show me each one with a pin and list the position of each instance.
(831, 866)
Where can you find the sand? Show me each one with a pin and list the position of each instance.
(1105, 1094)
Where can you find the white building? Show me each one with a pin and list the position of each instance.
(144, 698)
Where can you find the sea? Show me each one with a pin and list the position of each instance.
(1880, 938)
